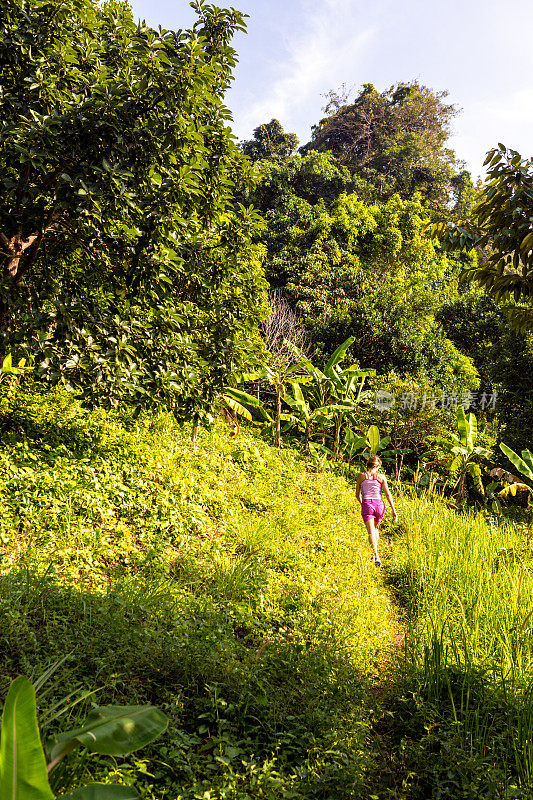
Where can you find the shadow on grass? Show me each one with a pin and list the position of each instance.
(404, 584)
(449, 732)
(253, 702)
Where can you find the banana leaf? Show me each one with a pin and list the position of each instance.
(23, 771)
(523, 464)
(513, 488)
(337, 356)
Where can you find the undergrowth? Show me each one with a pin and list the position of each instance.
(224, 583)
(231, 586)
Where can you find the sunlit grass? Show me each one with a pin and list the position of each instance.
(223, 582)
(467, 586)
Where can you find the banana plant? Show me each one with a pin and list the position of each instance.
(464, 454)
(245, 404)
(305, 414)
(331, 393)
(371, 444)
(524, 465)
(278, 376)
(109, 730)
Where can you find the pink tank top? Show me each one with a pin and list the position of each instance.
(371, 488)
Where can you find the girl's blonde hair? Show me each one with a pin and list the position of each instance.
(373, 461)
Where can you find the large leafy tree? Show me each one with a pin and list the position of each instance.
(270, 141)
(351, 268)
(394, 140)
(127, 269)
(500, 228)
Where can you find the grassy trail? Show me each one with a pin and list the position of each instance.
(233, 588)
(457, 718)
(226, 584)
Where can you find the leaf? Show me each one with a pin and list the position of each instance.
(472, 432)
(355, 442)
(513, 489)
(112, 731)
(527, 242)
(7, 364)
(475, 472)
(237, 407)
(338, 355)
(373, 438)
(23, 774)
(527, 457)
(297, 391)
(521, 465)
(463, 426)
(455, 466)
(243, 397)
(102, 791)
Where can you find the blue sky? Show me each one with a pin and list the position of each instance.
(296, 51)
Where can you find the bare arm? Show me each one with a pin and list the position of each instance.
(386, 492)
(358, 487)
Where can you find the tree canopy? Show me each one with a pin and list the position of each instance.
(394, 140)
(127, 269)
(270, 141)
(354, 268)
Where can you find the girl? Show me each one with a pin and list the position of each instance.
(372, 485)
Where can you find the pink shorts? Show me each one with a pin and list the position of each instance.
(373, 508)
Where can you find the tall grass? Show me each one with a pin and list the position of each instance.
(467, 587)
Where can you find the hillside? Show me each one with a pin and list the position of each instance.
(224, 583)
(230, 585)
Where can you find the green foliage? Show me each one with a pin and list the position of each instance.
(394, 140)
(112, 730)
(198, 579)
(128, 272)
(524, 464)
(23, 772)
(374, 444)
(479, 327)
(464, 453)
(327, 397)
(363, 270)
(270, 142)
(464, 717)
(350, 267)
(500, 223)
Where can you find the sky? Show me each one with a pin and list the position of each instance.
(296, 51)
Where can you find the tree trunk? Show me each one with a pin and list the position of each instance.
(194, 434)
(17, 249)
(277, 437)
(337, 437)
(307, 432)
(17, 254)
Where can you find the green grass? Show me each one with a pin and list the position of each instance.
(225, 583)
(231, 586)
(466, 586)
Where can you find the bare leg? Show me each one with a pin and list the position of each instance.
(373, 536)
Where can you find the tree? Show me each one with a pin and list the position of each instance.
(464, 454)
(503, 215)
(394, 140)
(270, 141)
(351, 268)
(327, 395)
(126, 269)
(500, 229)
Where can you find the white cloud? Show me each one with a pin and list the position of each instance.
(324, 56)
